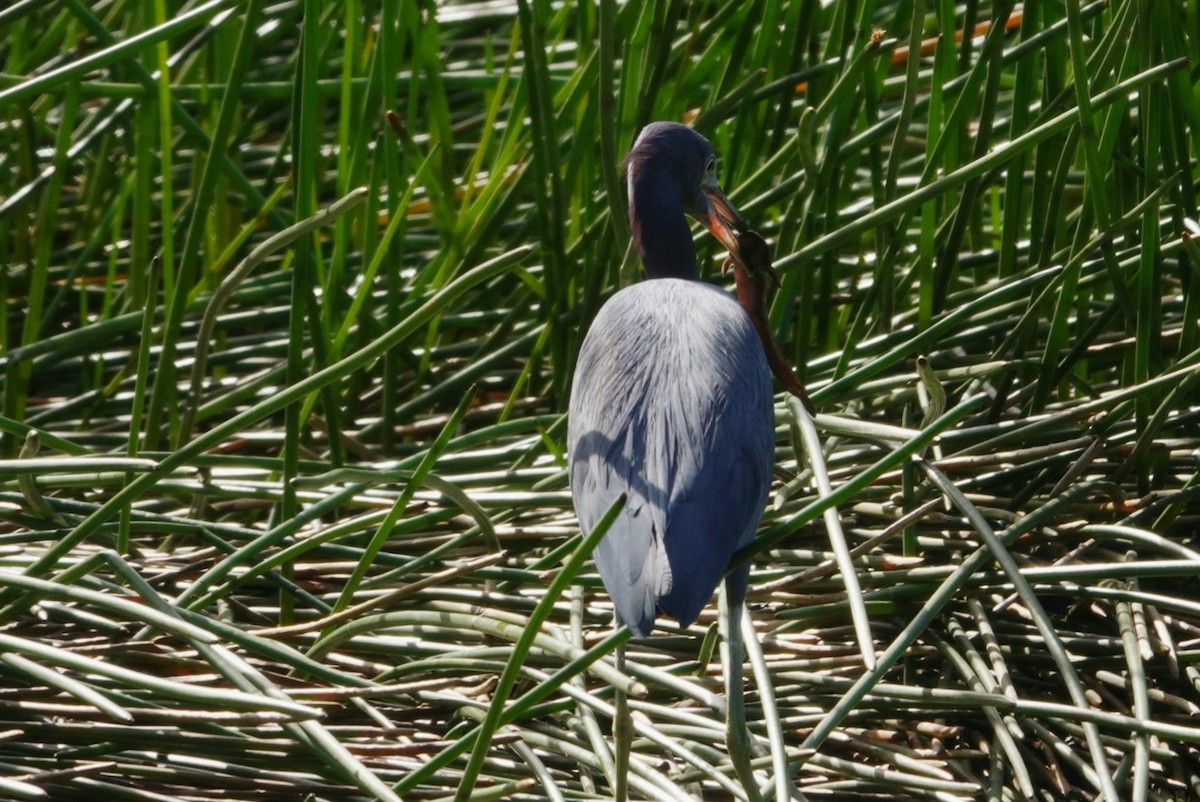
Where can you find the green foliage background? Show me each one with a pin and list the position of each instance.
(212, 432)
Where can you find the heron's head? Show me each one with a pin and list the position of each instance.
(672, 158)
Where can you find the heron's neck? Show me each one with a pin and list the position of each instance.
(659, 227)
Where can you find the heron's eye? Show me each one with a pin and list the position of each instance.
(710, 167)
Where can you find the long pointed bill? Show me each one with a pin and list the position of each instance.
(723, 219)
(751, 259)
(746, 248)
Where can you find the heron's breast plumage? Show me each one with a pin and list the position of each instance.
(672, 406)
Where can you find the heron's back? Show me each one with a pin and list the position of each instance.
(672, 406)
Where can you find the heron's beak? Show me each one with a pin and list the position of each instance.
(723, 221)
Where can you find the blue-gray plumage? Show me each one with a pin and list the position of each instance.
(672, 403)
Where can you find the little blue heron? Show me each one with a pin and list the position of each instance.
(672, 406)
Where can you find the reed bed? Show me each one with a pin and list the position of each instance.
(292, 294)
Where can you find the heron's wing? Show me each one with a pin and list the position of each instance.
(677, 416)
(631, 557)
(721, 436)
